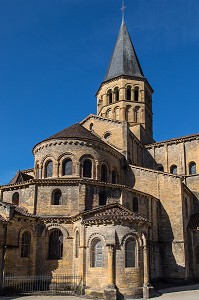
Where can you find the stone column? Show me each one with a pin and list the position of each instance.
(111, 275)
(123, 114)
(148, 291)
(96, 170)
(77, 169)
(146, 264)
(110, 292)
(55, 170)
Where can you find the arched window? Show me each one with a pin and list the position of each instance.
(109, 114)
(55, 249)
(67, 167)
(136, 94)
(135, 204)
(104, 173)
(49, 169)
(197, 254)
(114, 176)
(25, 244)
(87, 168)
(15, 198)
(117, 113)
(110, 96)
(130, 253)
(173, 169)
(77, 244)
(117, 94)
(129, 114)
(91, 126)
(96, 253)
(128, 93)
(192, 168)
(56, 197)
(102, 198)
(160, 168)
(136, 112)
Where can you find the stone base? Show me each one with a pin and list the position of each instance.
(110, 293)
(130, 293)
(148, 292)
(94, 294)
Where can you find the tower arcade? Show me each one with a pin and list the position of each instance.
(125, 94)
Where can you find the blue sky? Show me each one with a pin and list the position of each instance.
(54, 55)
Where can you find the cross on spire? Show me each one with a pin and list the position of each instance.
(123, 10)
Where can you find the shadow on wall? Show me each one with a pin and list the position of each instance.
(170, 251)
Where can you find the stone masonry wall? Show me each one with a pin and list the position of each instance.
(168, 189)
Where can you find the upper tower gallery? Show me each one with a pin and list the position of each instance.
(125, 94)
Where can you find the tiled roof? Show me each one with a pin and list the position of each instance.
(75, 131)
(124, 59)
(193, 222)
(20, 177)
(112, 214)
(23, 211)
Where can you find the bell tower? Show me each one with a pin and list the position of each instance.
(125, 94)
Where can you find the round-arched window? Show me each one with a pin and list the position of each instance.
(67, 167)
(104, 173)
(55, 249)
(15, 198)
(49, 169)
(96, 253)
(130, 253)
(56, 197)
(173, 169)
(87, 168)
(192, 168)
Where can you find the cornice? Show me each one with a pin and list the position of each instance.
(125, 77)
(84, 143)
(75, 181)
(173, 141)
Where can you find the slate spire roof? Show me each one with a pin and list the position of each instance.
(124, 60)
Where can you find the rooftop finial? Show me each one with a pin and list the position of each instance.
(123, 10)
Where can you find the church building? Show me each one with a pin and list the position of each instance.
(104, 201)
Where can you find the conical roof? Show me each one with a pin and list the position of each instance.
(124, 59)
(75, 131)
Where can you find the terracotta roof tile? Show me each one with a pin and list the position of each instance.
(115, 214)
(20, 177)
(75, 131)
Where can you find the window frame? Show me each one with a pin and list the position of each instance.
(65, 161)
(15, 201)
(128, 93)
(90, 170)
(55, 246)
(53, 202)
(172, 168)
(46, 169)
(96, 253)
(25, 244)
(192, 164)
(134, 251)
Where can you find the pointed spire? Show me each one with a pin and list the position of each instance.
(124, 59)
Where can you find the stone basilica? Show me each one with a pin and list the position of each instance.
(105, 201)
